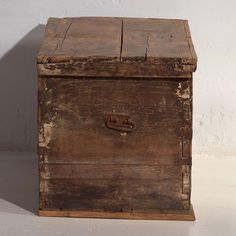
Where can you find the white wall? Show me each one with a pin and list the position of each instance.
(213, 27)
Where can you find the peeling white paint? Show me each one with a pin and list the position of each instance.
(183, 93)
(45, 135)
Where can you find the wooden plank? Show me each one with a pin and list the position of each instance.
(177, 215)
(73, 121)
(77, 185)
(111, 172)
(112, 188)
(82, 37)
(151, 39)
(91, 149)
(98, 69)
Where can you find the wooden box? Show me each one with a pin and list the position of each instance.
(115, 118)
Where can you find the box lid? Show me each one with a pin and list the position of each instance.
(107, 46)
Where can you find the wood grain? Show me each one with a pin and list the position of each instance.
(152, 39)
(171, 215)
(85, 37)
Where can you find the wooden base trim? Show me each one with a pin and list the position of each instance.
(186, 216)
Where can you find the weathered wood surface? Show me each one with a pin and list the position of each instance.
(116, 46)
(73, 121)
(155, 40)
(163, 215)
(85, 165)
(115, 188)
(70, 38)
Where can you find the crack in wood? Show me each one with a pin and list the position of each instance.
(65, 34)
(147, 46)
(60, 42)
(121, 39)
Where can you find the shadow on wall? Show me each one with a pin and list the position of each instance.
(18, 93)
(19, 183)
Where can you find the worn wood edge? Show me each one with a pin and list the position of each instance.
(178, 216)
(111, 70)
(111, 17)
(190, 43)
(151, 61)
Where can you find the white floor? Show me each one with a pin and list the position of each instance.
(213, 197)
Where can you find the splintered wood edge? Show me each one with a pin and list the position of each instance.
(178, 216)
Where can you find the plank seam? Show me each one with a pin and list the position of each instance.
(121, 39)
(147, 46)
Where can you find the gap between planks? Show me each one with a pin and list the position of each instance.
(122, 38)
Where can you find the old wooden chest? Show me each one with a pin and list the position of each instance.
(115, 118)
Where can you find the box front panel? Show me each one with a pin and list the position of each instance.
(74, 117)
(124, 128)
